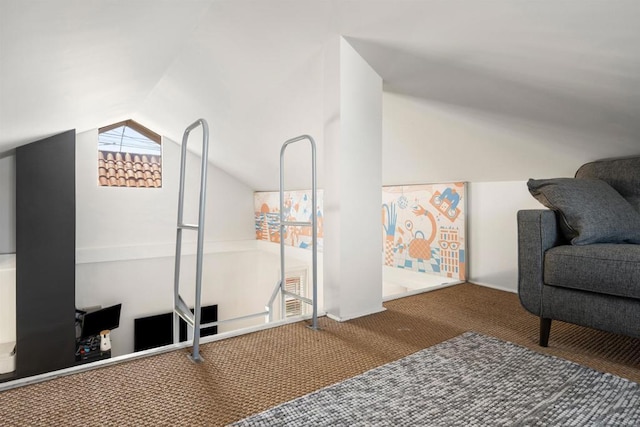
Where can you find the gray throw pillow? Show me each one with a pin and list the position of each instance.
(590, 210)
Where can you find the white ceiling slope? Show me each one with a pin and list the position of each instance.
(254, 69)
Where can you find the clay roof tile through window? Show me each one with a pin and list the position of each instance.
(129, 170)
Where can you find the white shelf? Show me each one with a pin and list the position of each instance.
(7, 298)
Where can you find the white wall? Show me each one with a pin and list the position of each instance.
(442, 143)
(125, 242)
(125, 222)
(492, 231)
(353, 141)
(7, 204)
(145, 286)
(427, 142)
(125, 237)
(145, 218)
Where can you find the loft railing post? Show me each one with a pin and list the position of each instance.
(181, 309)
(313, 225)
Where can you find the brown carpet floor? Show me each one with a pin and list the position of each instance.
(250, 373)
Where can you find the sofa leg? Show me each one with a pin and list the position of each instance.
(545, 330)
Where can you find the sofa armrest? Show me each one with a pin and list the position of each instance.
(537, 231)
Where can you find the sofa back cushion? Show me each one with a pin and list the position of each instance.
(622, 174)
(589, 210)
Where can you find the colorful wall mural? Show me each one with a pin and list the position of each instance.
(423, 227)
(297, 207)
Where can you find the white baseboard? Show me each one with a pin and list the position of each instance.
(492, 286)
(420, 291)
(354, 316)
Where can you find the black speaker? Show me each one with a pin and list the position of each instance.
(156, 331)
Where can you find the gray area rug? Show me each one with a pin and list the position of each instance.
(469, 380)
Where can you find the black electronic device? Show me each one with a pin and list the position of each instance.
(94, 322)
(156, 331)
(88, 350)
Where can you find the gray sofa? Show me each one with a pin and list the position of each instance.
(579, 262)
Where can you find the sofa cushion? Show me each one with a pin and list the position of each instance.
(623, 174)
(590, 210)
(606, 268)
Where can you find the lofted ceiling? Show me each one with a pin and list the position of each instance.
(254, 68)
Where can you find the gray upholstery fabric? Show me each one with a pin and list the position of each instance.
(621, 174)
(537, 232)
(605, 268)
(591, 210)
(606, 312)
(591, 285)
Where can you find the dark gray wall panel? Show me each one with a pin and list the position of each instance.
(45, 254)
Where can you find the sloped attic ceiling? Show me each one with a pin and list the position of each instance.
(83, 64)
(254, 68)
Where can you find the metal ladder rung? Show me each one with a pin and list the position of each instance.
(300, 223)
(184, 312)
(188, 226)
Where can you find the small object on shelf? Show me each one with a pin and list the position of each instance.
(88, 350)
(105, 340)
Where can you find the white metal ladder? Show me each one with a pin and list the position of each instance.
(181, 310)
(280, 286)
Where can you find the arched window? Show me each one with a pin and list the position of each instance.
(129, 155)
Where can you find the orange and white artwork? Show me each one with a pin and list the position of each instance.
(298, 207)
(423, 227)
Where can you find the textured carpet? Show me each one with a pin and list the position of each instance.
(254, 372)
(468, 380)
